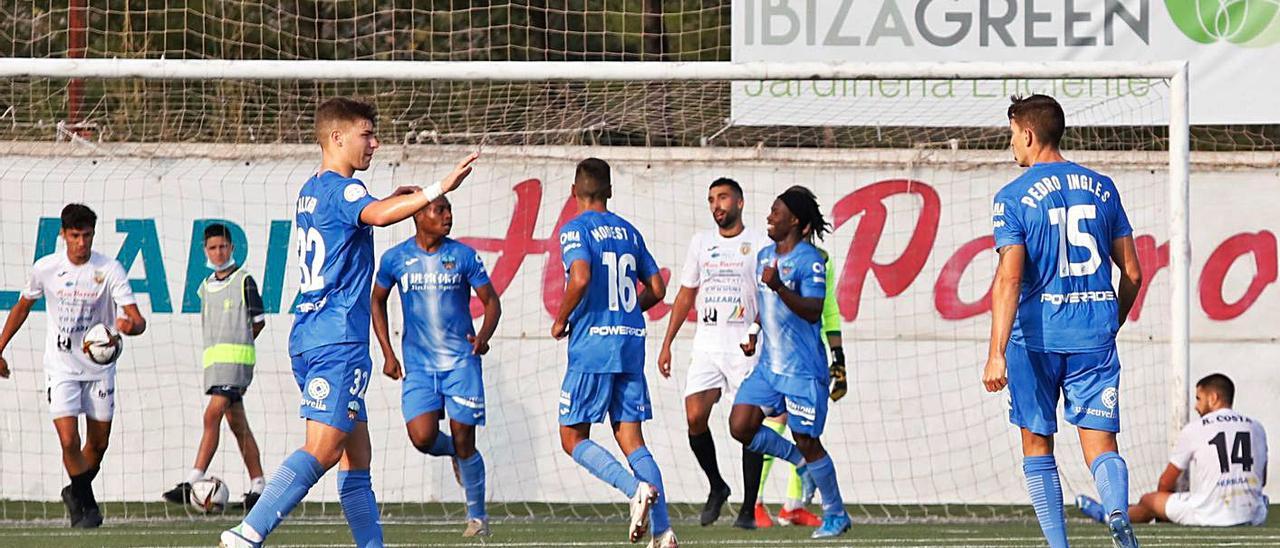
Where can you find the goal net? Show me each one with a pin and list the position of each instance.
(906, 178)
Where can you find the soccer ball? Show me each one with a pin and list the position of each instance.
(102, 344)
(209, 495)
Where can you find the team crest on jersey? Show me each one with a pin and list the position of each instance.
(1109, 397)
(786, 268)
(449, 262)
(99, 276)
(745, 248)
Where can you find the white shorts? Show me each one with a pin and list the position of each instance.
(1184, 509)
(723, 370)
(95, 399)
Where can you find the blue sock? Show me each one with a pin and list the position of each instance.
(288, 485)
(472, 472)
(1112, 478)
(602, 465)
(646, 470)
(823, 472)
(355, 491)
(441, 447)
(1046, 496)
(768, 442)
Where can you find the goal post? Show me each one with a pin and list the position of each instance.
(897, 337)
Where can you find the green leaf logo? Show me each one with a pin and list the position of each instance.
(1247, 23)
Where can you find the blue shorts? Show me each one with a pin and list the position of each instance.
(803, 399)
(586, 397)
(333, 379)
(460, 392)
(1089, 383)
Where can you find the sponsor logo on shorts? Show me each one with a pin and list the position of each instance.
(616, 330)
(566, 401)
(1108, 414)
(472, 403)
(1109, 397)
(802, 411)
(353, 409)
(318, 389)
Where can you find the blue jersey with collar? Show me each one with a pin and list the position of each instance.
(790, 345)
(435, 299)
(1067, 216)
(607, 329)
(335, 259)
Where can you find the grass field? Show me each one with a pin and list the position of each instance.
(874, 526)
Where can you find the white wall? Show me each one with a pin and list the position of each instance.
(917, 426)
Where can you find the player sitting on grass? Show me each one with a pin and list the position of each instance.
(329, 342)
(81, 288)
(231, 317)
(1054, 313)
(442, 350)
(1224, 454)
(602, 314)
(792, 373)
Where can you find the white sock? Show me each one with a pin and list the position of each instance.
(195, 475)
(792, 505)
(256, 485)
(247, 531)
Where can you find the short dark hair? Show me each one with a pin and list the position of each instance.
(725, 181)
(803, 204)
(215, 230)
(592, 180)
(78, 217)
(1042, 115)
(1220, 385)
(342, 109)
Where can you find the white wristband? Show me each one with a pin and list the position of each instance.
(754, 329)
(432, 192)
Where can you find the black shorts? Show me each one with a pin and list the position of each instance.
(233, 393)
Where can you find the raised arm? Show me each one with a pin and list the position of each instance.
(407, 200)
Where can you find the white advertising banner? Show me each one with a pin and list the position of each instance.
(911, 245)
(1231, 46)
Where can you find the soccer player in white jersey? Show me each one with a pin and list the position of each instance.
(719, 273)
(81, 288)
(1224, 454)
(1054, 313)
(329, 342)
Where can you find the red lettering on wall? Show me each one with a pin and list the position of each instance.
(1151, 259)
(946, 292)
(896, 276)
(1263, 247)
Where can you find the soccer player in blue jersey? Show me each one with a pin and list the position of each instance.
(1054, 313)
(436, 275)
(792, 375)
(601, 314)
(329, 343)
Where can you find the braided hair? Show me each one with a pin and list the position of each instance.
(804, 206)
